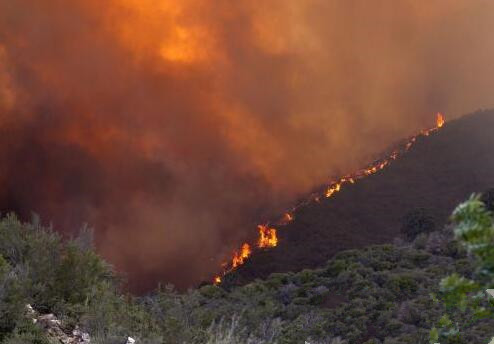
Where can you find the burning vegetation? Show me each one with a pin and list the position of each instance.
(268, 236)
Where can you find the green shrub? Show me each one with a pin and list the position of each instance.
(465, 299)
(26, 332)
(334, 267)
(355, 289)
(276, 280)
(211, 291)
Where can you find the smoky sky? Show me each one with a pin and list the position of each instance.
(173, 127)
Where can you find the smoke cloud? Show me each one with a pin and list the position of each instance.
(172, 127)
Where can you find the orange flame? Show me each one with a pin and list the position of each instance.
(268, 236)
(240, 257)
(440, 120)
(333, 189)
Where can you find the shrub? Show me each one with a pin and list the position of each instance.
(212, 291)
(356, 290)
(416, 222)
(465, 299)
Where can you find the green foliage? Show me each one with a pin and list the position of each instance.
(475, 229)
(80, 276)
(211, 291)
(26, 332)
(38, 268)
(465, 299)
(378, 294)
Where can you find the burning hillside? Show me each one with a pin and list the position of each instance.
(268, 236)
(436, 173)
(175, 127)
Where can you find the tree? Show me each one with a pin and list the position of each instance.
(464, 299)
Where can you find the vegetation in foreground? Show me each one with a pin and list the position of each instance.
(380, 294)
(465, 296)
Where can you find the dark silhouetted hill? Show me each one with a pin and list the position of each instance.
(437, 173)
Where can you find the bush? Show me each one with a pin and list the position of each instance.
(38, 268)
(416, 222)
(356, 296)
(465, 299)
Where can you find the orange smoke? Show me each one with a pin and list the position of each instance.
(173, 125)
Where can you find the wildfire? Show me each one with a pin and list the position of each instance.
(440, 120)
(240, 257)
(333, 189)
(268, 236)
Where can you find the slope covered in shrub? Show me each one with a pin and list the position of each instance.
(65, 278)
(378, 294)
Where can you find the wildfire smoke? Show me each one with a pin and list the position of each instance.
(174, 127)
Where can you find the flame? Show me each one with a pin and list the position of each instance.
(268, 236)
(240, 257)
(333, 189)
(440, 120)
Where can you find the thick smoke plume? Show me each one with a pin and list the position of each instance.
(172, 127)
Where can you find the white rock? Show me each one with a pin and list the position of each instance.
(30, 309)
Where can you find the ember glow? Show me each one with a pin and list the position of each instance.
(287, 218)
(268, 236)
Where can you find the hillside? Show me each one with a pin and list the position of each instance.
(377, 295)
(373, 293)
(438, 172)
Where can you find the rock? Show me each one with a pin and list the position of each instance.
(30, 310)
(54, 328)
(31, 313)
(49, 320)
